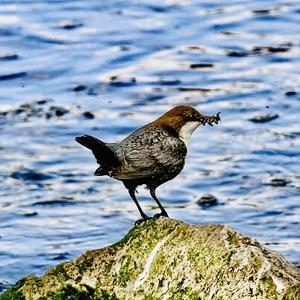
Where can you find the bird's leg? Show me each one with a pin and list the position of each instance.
(144, 216)
(163, 211)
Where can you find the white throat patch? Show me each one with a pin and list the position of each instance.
(186, 131)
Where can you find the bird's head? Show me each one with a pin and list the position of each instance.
(183, 120)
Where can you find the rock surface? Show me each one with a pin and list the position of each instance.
(168, 259)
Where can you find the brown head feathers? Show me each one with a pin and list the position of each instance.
(180, 115)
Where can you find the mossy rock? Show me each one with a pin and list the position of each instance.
(168, 259)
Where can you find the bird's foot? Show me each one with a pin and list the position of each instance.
(140, 221)
(161, 214)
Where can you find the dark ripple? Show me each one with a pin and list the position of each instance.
(264, 49)
(30, 175)
(9, 57)
(60, 202)
(238, 58)
(44, 40)
(168, 82)
(276, 152)
(4, 32)
(263, 11)
(30, 215)
(279, 59)
(267, 18)
(13, 76)
(152, 97)
(159, 9)
(237, 53)
(118, 83)
(269, 213)
(70, 25)
(61, 256)
(125, 58)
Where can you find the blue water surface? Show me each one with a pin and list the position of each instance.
(107, 67)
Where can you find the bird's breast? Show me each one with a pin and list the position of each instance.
(186, 131)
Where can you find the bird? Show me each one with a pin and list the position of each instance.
(151, 155)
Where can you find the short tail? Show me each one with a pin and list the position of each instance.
(105, 157)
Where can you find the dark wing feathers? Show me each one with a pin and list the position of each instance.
(146, 153)
(150, 152)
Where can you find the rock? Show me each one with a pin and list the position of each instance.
(168, 259)
(266, 50)
(237, 53)
(35, 109)
(195, 89)
(207, 199)
(201, 65)
(58, 110)
(88, 115)
(264, 118)
(43, 101)
(114, 77)
(29, 215)
(69, 24)
(290, 93)
(262, 11)
(278, 182)
(115, 81)
(79, 88)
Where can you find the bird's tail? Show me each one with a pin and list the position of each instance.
(105, 156)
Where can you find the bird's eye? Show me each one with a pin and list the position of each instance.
(192, 117)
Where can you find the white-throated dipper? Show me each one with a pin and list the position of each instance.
(151, 155)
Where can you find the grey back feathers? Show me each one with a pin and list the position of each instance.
(150, 152)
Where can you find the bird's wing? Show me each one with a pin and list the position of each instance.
(150, 152)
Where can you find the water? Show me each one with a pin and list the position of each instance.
(107, 67)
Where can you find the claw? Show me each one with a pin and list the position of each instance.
(140, 221)
(161, 214)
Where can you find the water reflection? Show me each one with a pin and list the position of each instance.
(74, 67)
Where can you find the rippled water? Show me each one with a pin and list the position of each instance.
(107, 67)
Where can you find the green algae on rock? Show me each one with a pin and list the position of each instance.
(168, 259)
